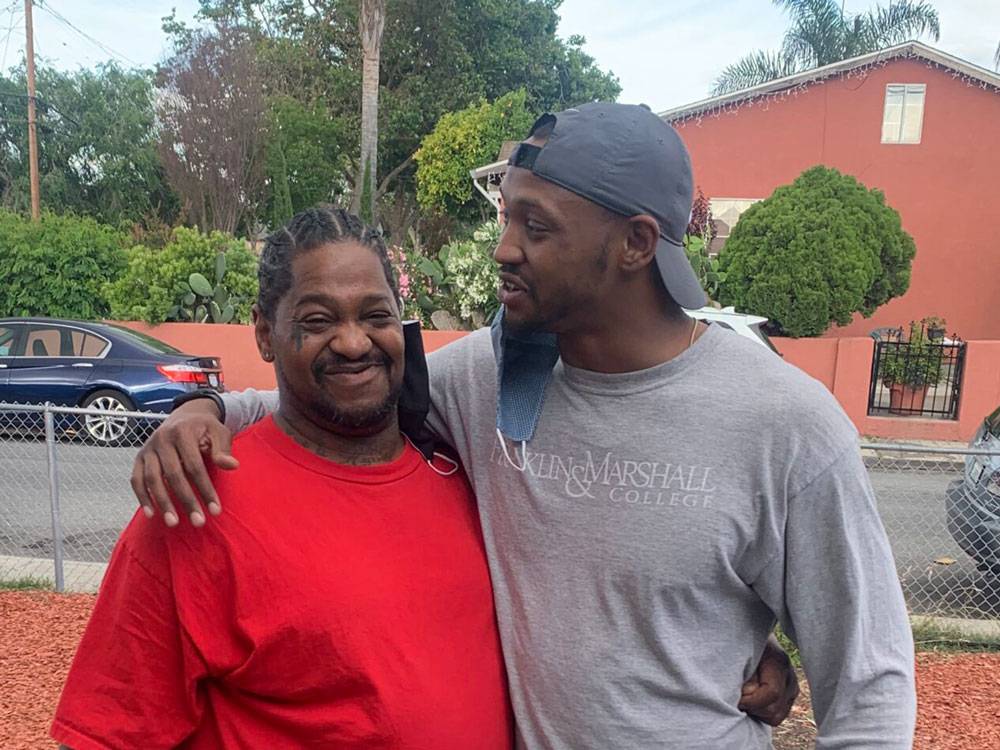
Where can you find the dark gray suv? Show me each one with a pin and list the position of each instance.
(973, 504)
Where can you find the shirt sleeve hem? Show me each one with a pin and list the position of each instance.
(64, 734)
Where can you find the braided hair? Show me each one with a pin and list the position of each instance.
(308, 230)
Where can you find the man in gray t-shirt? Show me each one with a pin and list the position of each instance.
(655, 494)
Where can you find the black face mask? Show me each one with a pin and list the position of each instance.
(415, 398)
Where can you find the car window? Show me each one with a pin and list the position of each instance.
(43, 341)
(145, 342)
(87, 344)
(7, 334)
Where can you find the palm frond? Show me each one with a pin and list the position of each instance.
(805, 8)
(816, 39)
(756, 68)
(901, 21)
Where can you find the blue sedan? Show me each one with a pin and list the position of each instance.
(97, 365)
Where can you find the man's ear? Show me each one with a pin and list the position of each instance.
(263, 332)
(641, 234)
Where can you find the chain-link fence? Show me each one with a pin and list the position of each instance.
(941, 510)
(66, 497)
(64, 490)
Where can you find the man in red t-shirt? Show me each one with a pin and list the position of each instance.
(255, 632)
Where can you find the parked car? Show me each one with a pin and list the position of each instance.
(99, 365)
(972, 504)
(748, 326)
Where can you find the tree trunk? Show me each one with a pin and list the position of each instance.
(371, 21)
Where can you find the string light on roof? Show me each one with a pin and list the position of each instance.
(765, 99)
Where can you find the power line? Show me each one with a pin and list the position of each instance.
(42, 102)
(96, 42)
(10, 30)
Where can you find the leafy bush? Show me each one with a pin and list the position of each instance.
(57, 267)
(462, 141)
(816, 252)
(705, 267)
(157, 281)
(473, 275)
(458, 288)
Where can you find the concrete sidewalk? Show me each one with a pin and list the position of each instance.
(79, 577)
(934, 455)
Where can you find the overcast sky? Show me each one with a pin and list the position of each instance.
(665, 52)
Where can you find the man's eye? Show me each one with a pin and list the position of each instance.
(380, 315)
(534, 226)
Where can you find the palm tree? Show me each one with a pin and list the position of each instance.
(821, 34)
(371, 22)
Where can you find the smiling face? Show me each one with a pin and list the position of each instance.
(337, 340)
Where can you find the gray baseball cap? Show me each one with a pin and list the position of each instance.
(626, 159)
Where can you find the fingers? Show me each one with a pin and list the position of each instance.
(170, 472)
(139, 487)
(770, 693)
(152, 477)
(222, 447)
(194, 471)
(762, 705)
(176, 473)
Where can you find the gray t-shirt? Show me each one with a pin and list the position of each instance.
(662, 520)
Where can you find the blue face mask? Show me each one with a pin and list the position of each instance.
(524, 368)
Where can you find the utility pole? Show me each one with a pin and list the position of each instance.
(32, 135)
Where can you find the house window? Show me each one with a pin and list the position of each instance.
(725, 213)
(903, 119)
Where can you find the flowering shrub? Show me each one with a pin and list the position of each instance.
(473, 274)
(455, 289)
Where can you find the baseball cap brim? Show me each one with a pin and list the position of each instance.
(678, 276)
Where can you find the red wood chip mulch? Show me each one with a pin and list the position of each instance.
(959, 694)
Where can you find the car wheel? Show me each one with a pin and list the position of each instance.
(107, 429)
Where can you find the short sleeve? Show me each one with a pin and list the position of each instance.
(135, 677)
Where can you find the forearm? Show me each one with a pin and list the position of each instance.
(245, 408)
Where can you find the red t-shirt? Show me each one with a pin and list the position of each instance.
(329, 606)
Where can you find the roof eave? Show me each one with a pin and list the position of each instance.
(914, 48)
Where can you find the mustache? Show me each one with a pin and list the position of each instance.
(512, 270)
(332, 363)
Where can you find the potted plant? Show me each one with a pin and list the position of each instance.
(935, 327)
(909, 368)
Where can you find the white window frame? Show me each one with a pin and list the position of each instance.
(907, 90)
(46, 324)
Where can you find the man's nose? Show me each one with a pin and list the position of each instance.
(508, 250)
(351, 342)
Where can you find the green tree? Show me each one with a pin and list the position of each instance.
(816, 252)
(437, 56)
(821, 34)
(154, 281)
(97, 150)
(57, 267)
(462, 141)
(306, 157)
